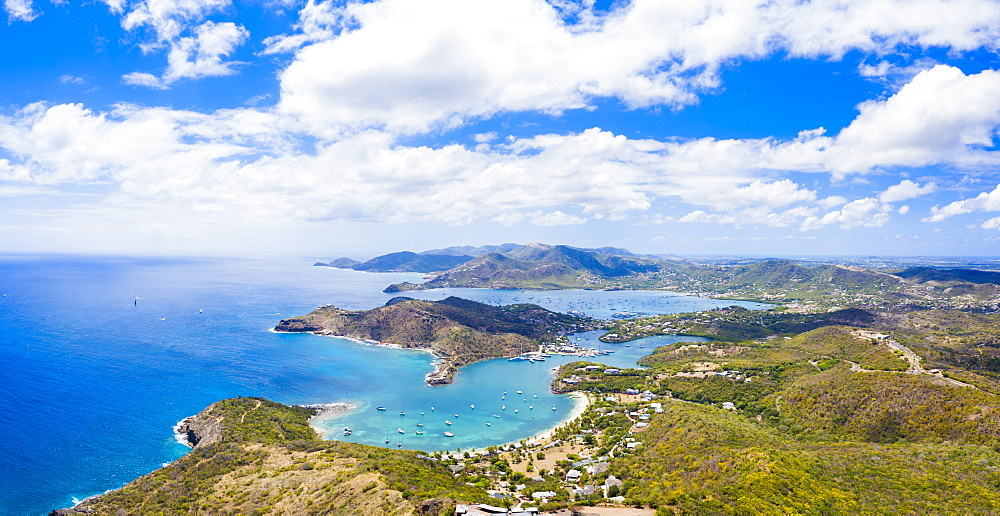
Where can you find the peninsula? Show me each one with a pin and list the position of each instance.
(457, 331)
(255, 456)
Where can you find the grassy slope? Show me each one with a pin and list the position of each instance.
(701, 459)
(270, 461)
(811, 436)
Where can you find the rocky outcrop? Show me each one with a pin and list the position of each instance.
(201, 429)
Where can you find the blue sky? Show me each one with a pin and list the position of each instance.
(782, 128)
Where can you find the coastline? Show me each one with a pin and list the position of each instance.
(582, 402)
(580, 405)
(326, 412)
(438, 376)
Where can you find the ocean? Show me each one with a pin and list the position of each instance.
(101, 356)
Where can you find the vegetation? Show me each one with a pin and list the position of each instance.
(699, 459)
(457, 330)
(267, 460)
(865, 392)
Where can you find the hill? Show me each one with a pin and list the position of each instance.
(456, 330)
(403, 261)
(260, 457)
(542, 267)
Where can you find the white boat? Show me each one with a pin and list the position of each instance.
(449, 434)
(400, 430)
(472, 406)
(420, 433)
(447, 422)
(487, 423)
(516, 411)
(379, 408)
(519, 392)
(553, 408)
(503, 407)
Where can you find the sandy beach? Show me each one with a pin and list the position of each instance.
(581, 402)
(326, 412)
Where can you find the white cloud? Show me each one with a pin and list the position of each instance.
(556, 218)
(986, 201)
(941, 116)
(143, 79)
(201, 55)
(20, 10)
(868, 212)
(906, 190)
(318, 21)
(195, 47)
(993, 223)
(411, 66)
(72, 79)
(484, 137)
(167, 19)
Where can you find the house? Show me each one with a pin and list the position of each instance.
(597, 469)
(540, 495)
(632, 445)
(728, 405)
(573, 475)
(632, 391)
(584, 491)
(612, 481)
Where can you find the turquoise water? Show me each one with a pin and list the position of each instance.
(93, 379)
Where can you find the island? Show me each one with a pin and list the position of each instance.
(457, 331)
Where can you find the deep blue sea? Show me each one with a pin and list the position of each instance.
(101, 356)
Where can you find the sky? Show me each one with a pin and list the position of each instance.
(324, 128)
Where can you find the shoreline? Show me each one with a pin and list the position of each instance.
(580, 405)
(326, 412)
(582, 402)
(440, 364)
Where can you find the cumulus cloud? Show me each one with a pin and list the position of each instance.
(20, 10)
(167, 19)
(454, 60)
(196, 47)
(318, 21)
(986, 201)
(941, 116)
(906, 190)
(867, 212)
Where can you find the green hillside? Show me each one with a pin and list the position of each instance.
(458, 331)
(267, 460)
